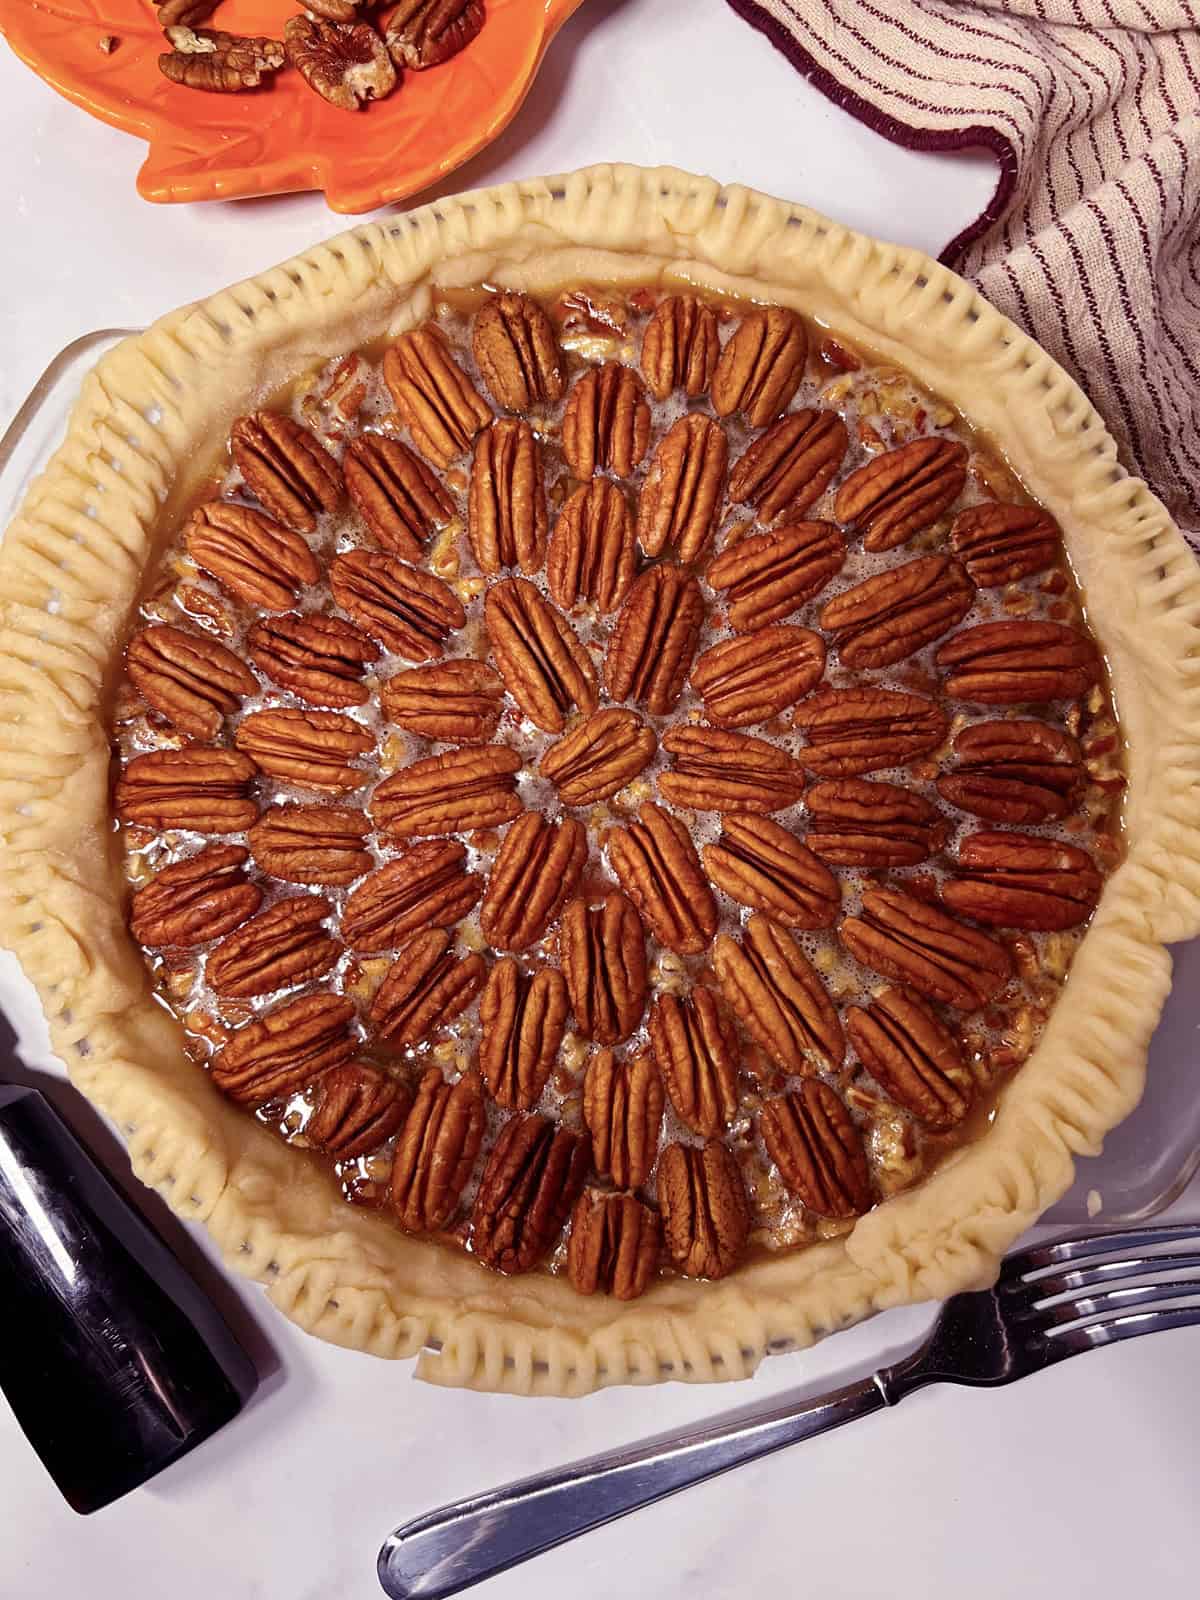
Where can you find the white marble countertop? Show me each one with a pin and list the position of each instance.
(1079, 1482)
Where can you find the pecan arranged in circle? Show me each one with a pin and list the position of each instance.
(777, 995)
(651, 647)
(535, 871)
(427, 887)
(436, 1151)
(457, 702)
(425, 988)
(313, 748)
(680, 499)
(811, 1138)
(1011, 663)
(311, 844)
(322, 659)
(356, 1108)
(410, 612)
(761, 366)
(933, 953)
(623, 1107)
(606, 423)
(767, 576)
(658, 868)
(613, 1245)
(285, 467)
(789, 467)
(532, 1179)
(452, 793)
(280, 1053)
(433, 396)
(599, 756)
(896, 494)
(712, 770)
(1018, 772)
(763, 866)
(195, 900)
(523, 1017)
(285, 945)
(603, 953)
(516, 350)
(198, 787)
(912, 1057)
(1000, 543)
(346, 64)
(752, 678)
(1016, 880)
(592, 554)
(543, 664)
(394, 492)
(506, 508)
(251, 557)
(222, 63)
(680, 347)
(696, 1051)
(896, 613)
(705, 1210)
(859, 824)
(188, 677)
(851, 731)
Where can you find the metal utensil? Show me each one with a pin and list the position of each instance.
(1034, 1317)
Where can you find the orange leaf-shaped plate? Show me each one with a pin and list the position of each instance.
(282, 138)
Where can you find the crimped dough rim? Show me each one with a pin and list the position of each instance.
(70, 570)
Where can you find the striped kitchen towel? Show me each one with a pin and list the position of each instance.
(1091, 241)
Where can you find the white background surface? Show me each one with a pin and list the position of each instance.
(1083, 1481)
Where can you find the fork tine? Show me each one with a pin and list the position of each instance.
(1046, 1287)
(1094, 1335)
(1055, 1251)
(1139, 1294)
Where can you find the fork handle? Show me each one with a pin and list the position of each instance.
(469, 1540)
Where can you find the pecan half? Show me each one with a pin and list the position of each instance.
(198, 787)
(433, 395)
(285, 467)
(777, 995)
(603, 953)
(311, 844)
(322, 659)
(279, 948)
(195, 900)
(712, 770)
(455, 792)
(912, 1057)
(599, 756)
(1019, 772)
(411, 612)
(651, 647)
(623, 1107)
(933, 953)
(705, 1212)
(184, 13)
(789, 467)
(613, 1245)
(427, 887)
(766, 576)
(761, 366)
(345, 64)
(851, 731)
(425, 988)
(854, 823)
(436, 1151)
(458, 702)
(250, 556)
(592, 554)
(188, 677)
(1002, 543)
(896, 494)
(680, 347)
(315, 748)
(522, 1019)
(394, 492)
(424, 33)
(696, 1051)
(1016, 880)
(532, 1179)
(506, 506)
(763, 866)
(535, 871)
(606, 422)
(1010, 663)
(222, 63)
(896, 613)
(753, 678)
(543, 664)
(279, 1053)
(356, 1108)
(811, 1138)
(680, 497)
(517, 353)
(658, 868)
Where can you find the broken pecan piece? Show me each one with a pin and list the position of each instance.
(613, 1245)
(777, 995)
(222, 63)
(603, 953)
(311, 844)
(345, 64)
(188, 677)
(761, 366)
(696, 1051)
(754, 677)
(1000, 543)
(854, 823)
(433, 395)
(623, 1107)
(789, 467)
(322, 659)
(279, 948)
(535, 871)
(532, 1179)
(651, 647)
(425, 988)
(912, 1057)
(522, 1019)
(517, 353)
(1009, 663)
(543, 664)
(1017, 880)
(767, 576)
(763, 866)
(705, 1212)
(255, 559)
(436, 1151)
(896, 494)
(506, 510)
(199, 788)
(285, 467)
(592, 554)
(409, 611)
(458, 702)
(680, 347)
(712, 770)
(315, 748)
(1019, 772)
(812, 1139)
(455, 792)
(424, 33)
(658, 868)
(356, 1108)
(851, 731)
(680, 497)
(427, 887)
(933, 953)
(394, 492)
(896, 613)
(195, 900)
(279, 1053)
(606, 422)
(599, 756)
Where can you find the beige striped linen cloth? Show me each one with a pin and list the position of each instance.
(1091, 241)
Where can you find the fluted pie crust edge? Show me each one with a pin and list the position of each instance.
(70, 571)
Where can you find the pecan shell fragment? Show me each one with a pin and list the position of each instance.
(919, 945)
(812, 1139)
(188, 677)
(623, 1107)
(912, 1056)
(651, 648)
(522, 1018)
(705, 1211)
(535, 871)
(532, 1179)
(658, 868)
(763, 866)
(778, 997)
(195, 900)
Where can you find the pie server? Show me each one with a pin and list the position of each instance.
(113, 1360)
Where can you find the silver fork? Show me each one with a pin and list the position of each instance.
(984, 1338)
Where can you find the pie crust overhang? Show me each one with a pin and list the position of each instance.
(70, 572)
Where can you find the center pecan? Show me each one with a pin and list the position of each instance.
(410, 612)
(506, 506)
(546, 669)
(933, 953)
(600, 755)
(535, 871)
(752, 679)
(763, 866)
(522, 1018)
(591, 554)
(427, 887)
(896, 613)
(775, 992)
(767, 576)
(311, 844)
(652, 645)
(854, 823)
(657, 865)
(455, 792)
(425, 988)
(603, 953)
(322, 659)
